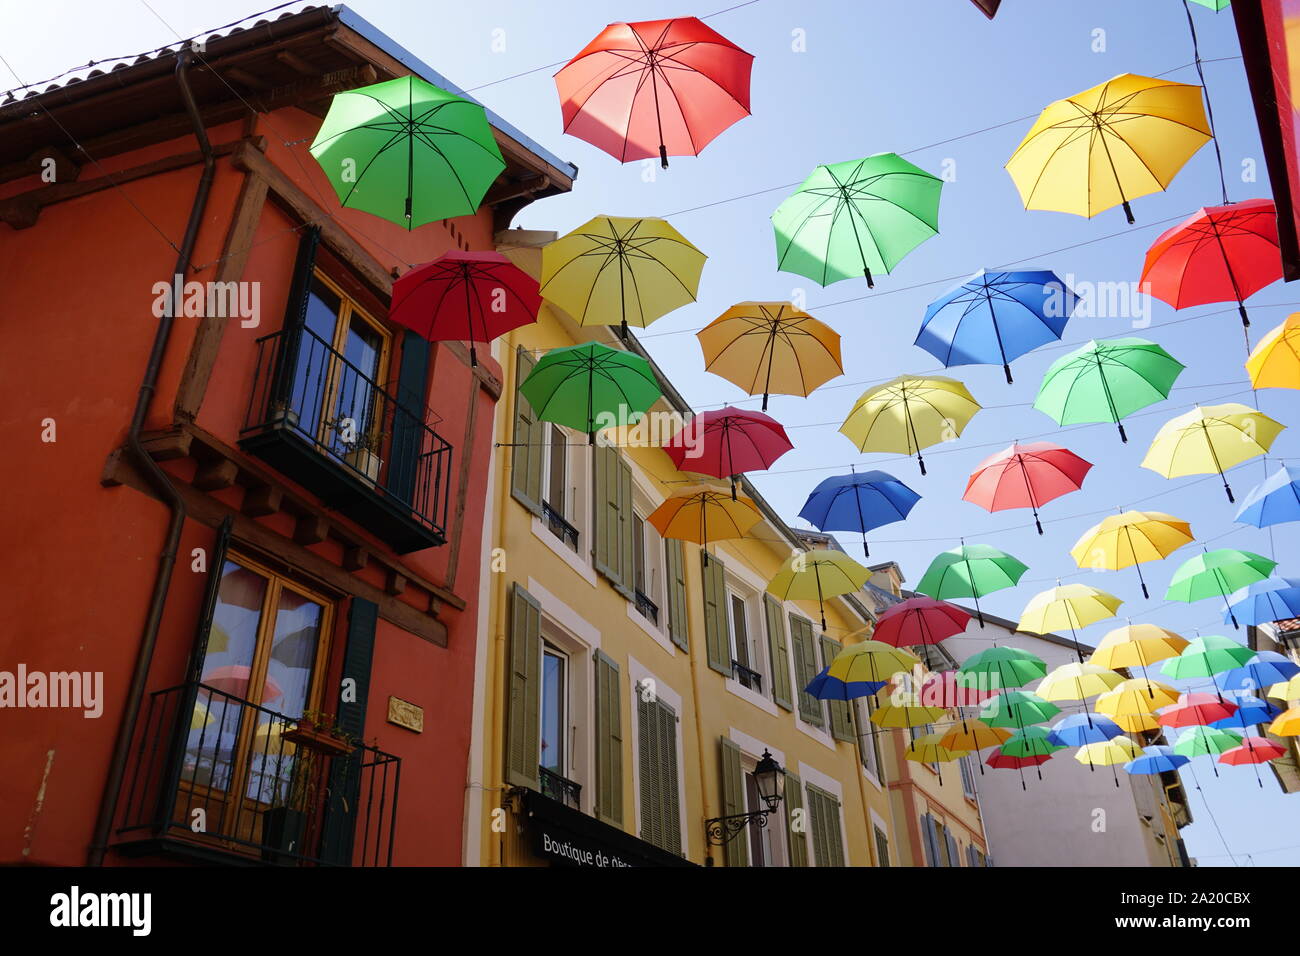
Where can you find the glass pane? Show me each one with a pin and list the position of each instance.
(556, 484)
(357, 415)
(638, 554)
(553, 712)
(311, 371)
(739, 630)
(759, 837)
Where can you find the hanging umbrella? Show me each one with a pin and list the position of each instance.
(1001, 761)
(849, 218)
(1274, 500)
(1098, 149)
(1017, 708)
(931, 749)
(1218, 254)
(826, 687)
(233, 679)
(1275, 362)
(945, 689)
(1071, 605)
(1252, 750)
(999, 668)
(1156, 759)
(1251, 711)
(920, 620)
(1025, 476)
(1079, 730)
(1288, 691)
(1203, 741)
(1264, 669)
(1192, 710)
(1210, 439)
(899, 717)
(1031, 742)
(468, 296)
(1207, 656)
(995, 317)
(1136, 645)
(1077, 682)
(1273, 599)
(1138, 698)
(909, 413)
(590, 386)
(971, 571)
(700, 514)
(727, 442)
(407, 152)
(1107, 380)
(1216, 5)
(818, 574)
(771, 348)
(861, 502)
(1218, 572)
(1107, 753)
(871, 661)
(975, 735)
(1287, 724)
(675, 84)
(1129, 540)
(618, 269)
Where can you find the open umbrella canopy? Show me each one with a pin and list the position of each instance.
(1017, 708)
(1195, 710)
(1209, 440)
(1250, 712)
(1079, 730)
(1218, 6)
(931, 749)
(1156, 759)
(1077, 682)
(1136, 645)
(945, 689)
(1275, 361)
(1107, 753)
(407, 151)
(590, 387)
(727, 442)
(1025, 476)
(1069, 606)
(998, 668)
(700, 514)
(995, 317)
(1106, 381)
(905, 716)
(1112, 143)
(621, 270)
(861, 502)
(849, 218)
(1131, 538)
(1205, 741)
(1218, 254)
(920, 620)
(971, 570)
(1252, 750)
(1273, 599)
(1264, 669)
(1031, 742)
(654, 88)
(1137, 697)
(826, 687)
(472, 296)
(909, 413)
(972, 735)
(817, 575)
(1287, 690)
(871, 661)
(1274, 500)
(1287, 724)
(1001, 761)
(1217, 574)
(771, 348)
(1207, 656)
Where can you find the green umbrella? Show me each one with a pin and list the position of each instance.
(1019, 709)
(1000, 667)
(408, 152)
(1217, 574)
(1207, 656)
(849, 218)
(1107, 380)
(590, 386)
(971, 571)
(1215, 5)
(1205, 741)
(1031, 742)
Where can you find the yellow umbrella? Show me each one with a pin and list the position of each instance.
(617, 269)
(1137, 645)
(1133, 703)
(1077, 682)
(872, 661)
(892, 715)
(1072, 606)
(975, 735)
(817, 575)
(1129, 539)
(771, 348)
(1275, 362)
(930, 749)
(702, 513)
(1107, 753)
(909, 413)
(1100, 148)
(1287, 724)
(1210, 439)
(1286, 690)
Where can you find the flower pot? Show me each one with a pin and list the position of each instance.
(282, 835)
(282, 416)
(367, 463)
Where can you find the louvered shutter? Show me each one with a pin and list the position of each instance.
(609, 742)
(796, 815)
(523, 731)
(526, 456)
(716, 640)
(736, 850)
(805, 669)
(929, 840)
(670, 805)
(675, 562)
(778, 652)
(841, 719)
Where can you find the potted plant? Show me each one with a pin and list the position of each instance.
(299, 771)
(364, 455)
(282, 414)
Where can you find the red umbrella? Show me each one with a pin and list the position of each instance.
(1252, 750)
(675, 83)
(467, 296)
(1193, 710)
(919, 620)
(942, 689)
(727, 442)
(233, 680)
(1220, 254)
(1026, 476)
(1002, 761)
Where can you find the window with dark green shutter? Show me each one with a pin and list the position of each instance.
(828, 840)
(736, 851)
(661, 821)
(609, 742)
(528, 453)
(778, 652)
(841, 716)
(805, 668)
(678, 615)
(717, 636)
(796, 820)
(612, 518)
(523, 716)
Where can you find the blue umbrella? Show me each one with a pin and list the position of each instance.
(1079, 730)
(1155, 760)
(1262, 671)
(858, 502)
(1250, 711)
(1273, 599)
(994, 317)
(1274, 500)
(826, 687)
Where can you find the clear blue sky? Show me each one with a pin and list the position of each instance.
(885, 76)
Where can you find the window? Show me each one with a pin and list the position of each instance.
(767, 843)
(868, 740)
(967, 777)
(556, 728)
(657, 766)
(648, 569)
(882, 846)
(824, 817)
(742, 654)
(560, 507)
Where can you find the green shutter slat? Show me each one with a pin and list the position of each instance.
(828, 841)
(669, 803)
(645, 766)
(675, 560)
(526, 456)
(797, 841)
(805, 664)
(954, 858)
(611, 519)
(624, 533)
(523, 731)
(716, 642)
(778, 652)
(841, 719)
(736, 851)
(930, 840)
(609, 742)
(408, 418)
(882, 847)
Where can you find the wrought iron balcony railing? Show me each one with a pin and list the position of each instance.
(318, 418)
(560, 788)
(748, 677)
(647, 608)
(221, 779)
(560, 527)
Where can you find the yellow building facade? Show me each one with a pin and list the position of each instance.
(627, 687)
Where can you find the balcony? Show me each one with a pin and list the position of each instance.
(561, 528)
(560, 789)
(320, 420)
(220, 780)
(747, 677)
(647, 608)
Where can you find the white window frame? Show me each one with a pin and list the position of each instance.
(578, 473)
(568, 728)
(751, 752)
(644, 503)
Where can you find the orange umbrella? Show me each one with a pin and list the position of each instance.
(702, 513)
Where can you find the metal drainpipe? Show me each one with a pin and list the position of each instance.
(158, 478)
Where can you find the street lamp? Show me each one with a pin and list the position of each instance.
(770, 779)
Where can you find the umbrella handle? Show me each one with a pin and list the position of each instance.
(1007, 368)
(1128, 212)
(1228, 489)
(765, 401)
(1038, 524)
(867, 272)
(1245, 319)
(866, 552)
(473, 356)
(920, 461)
(1122, 436)
(663, 158)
